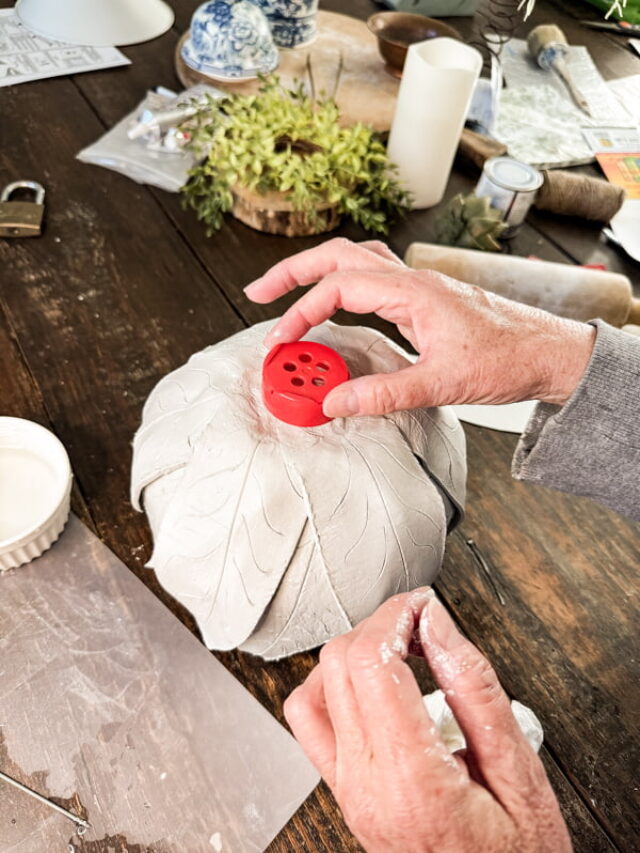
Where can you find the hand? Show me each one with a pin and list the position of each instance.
(361, 720)
(474, 346)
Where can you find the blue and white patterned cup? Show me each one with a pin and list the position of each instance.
(292, 22)
(230, 40)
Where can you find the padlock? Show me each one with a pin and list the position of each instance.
(21, 218)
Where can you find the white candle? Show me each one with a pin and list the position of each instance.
(433, 100)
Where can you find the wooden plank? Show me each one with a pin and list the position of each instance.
(148, 737)
(565, 640)
(231, 259)
(20, 397)
(96, 371)
(101, 309)
(227, 257)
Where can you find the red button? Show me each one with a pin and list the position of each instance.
(297, 377)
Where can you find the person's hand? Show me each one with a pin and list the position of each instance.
(474, 346)
(361, 720)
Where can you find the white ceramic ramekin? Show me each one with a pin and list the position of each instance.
(35, 490)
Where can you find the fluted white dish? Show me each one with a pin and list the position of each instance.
(35, 490)
(96, 22)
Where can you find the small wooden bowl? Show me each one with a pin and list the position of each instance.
(395, 31)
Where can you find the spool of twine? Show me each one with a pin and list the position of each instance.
(579, 195)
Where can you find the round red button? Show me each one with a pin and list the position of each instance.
(297, 377)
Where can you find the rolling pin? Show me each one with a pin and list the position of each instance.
(563, 289)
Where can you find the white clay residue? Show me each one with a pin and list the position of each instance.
(451, 733)
(216, 842)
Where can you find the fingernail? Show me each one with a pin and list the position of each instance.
(437, 627)
(273, 338)
(341, 405)
(251, 287)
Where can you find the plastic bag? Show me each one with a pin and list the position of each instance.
(451, 734)
(168, 170)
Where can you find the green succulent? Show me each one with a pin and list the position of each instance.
(282, 140)
(471, 223)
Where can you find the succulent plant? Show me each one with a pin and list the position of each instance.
(470, 222)
(285, 141)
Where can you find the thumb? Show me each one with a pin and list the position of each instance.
(379, 394)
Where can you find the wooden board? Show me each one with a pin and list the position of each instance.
(148, 737)
(161, 289)
(366, 92)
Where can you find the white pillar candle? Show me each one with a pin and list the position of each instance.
(433, 100)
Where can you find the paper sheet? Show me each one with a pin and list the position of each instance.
(626, 227)
(520, 70)
(114, 150)
(26, 56)
(512, 417)
(617, 151)
(627, 91)
(538, 119)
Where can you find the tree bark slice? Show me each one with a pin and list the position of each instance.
(274, 214)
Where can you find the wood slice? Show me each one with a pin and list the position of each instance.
(273, 214)
(366, 93)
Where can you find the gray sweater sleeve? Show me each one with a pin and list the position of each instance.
(591, 445)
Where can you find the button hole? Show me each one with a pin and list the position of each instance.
(304, 357)
(322, 366)
(289, 366)
(317, 381)
(297, 381)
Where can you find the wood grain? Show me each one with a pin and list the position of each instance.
(567, 570)
(366, 92)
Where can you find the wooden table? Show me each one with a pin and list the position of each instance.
(123, 286)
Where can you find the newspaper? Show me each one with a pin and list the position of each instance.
(539, 121)
(26, 56)
(627, 90)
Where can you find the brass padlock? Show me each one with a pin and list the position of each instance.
(21, 218)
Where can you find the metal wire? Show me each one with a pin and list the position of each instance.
(496, 21)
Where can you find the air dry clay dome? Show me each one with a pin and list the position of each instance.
(277, 537)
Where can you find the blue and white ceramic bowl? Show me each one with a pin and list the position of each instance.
(288, 8)
(292, 22)
(230, 40)
(292, 32)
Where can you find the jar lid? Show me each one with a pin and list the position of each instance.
(34, 507)
(297, 377)
(511, 174)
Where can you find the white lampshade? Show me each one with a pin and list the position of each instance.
(96, 22)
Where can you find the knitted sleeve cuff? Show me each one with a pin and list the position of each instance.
(591, 445)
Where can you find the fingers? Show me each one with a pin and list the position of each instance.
(323, 712)
(382, 292)
(313, 264)
(306, 712)
(480, 705)
(342, 706)
(380, 248)
(394, 717)
(381, 393)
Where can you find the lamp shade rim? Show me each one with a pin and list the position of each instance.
(96, 23)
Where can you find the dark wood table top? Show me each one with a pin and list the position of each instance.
(124, 285)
